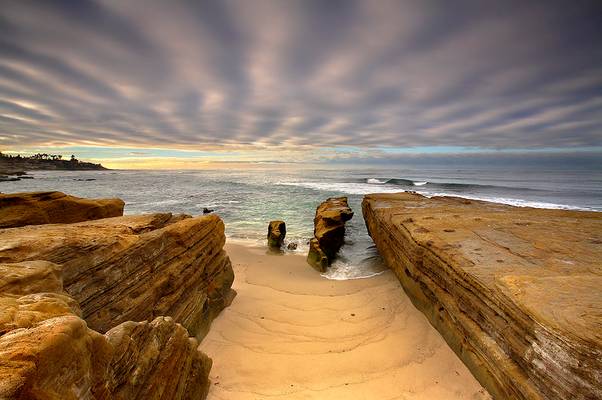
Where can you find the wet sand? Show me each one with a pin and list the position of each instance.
(292, 334)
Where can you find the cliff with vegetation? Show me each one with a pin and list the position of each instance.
(514, 291)
(111, 308)
(17, 165)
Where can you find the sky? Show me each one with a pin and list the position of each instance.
(144, 83)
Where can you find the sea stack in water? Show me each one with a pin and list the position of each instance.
(20, 209)
(105, 309)
(276, 234)
(329, 232)
(514, 291)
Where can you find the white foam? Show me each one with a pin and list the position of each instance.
(375, 181)
(510, 201)
(167, 202)
(366, 188)
(342, 270)
(349, 188)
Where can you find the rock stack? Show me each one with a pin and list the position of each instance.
(276, 234)
(514, 291)
(329, 232)
(104, 309)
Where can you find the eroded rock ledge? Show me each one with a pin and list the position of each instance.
(134, 268)
(20, 209)
(104, 309)
(329, 232)
(514, 291)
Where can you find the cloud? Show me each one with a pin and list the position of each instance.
(236, 74)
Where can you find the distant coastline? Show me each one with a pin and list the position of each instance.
(15, 167)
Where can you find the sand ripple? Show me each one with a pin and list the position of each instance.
(291, 334)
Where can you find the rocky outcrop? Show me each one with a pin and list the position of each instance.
(329, 231)
(58, 359)
(57, 282)
(6, 178)
(31, 292)
(20, 209)
(48, 352)
(134, 268)
(514, 291)
(276, 234)
(316, 256)
(156, 360)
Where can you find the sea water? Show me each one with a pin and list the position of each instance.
(247, 199)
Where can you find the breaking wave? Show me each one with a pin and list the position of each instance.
(456, 186)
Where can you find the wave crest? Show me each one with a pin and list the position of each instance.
(377, 181)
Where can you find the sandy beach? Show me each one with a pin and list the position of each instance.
(292, 334)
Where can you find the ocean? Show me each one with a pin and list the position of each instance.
(248, 198)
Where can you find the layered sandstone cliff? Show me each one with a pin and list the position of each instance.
(48, 352)
(514, 291)
(329, 231)
(156, 360)
(105, 309)
(134, 268)
(20, 209)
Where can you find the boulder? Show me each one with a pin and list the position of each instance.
(46, 349)
(514, 291)
(56, 359)
(329, 231)
(276, 234)
(134, 268)
(20, 209)
(316, 256)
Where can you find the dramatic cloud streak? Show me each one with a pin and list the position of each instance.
(218, 75)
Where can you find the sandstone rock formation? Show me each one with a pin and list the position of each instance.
(59, 281)
(514, 291)
(134, 268)
(276, 234)
(316, 256)
(329, 231)
(20, 209)
(31, 292)
(56, 356)
(156, 360)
